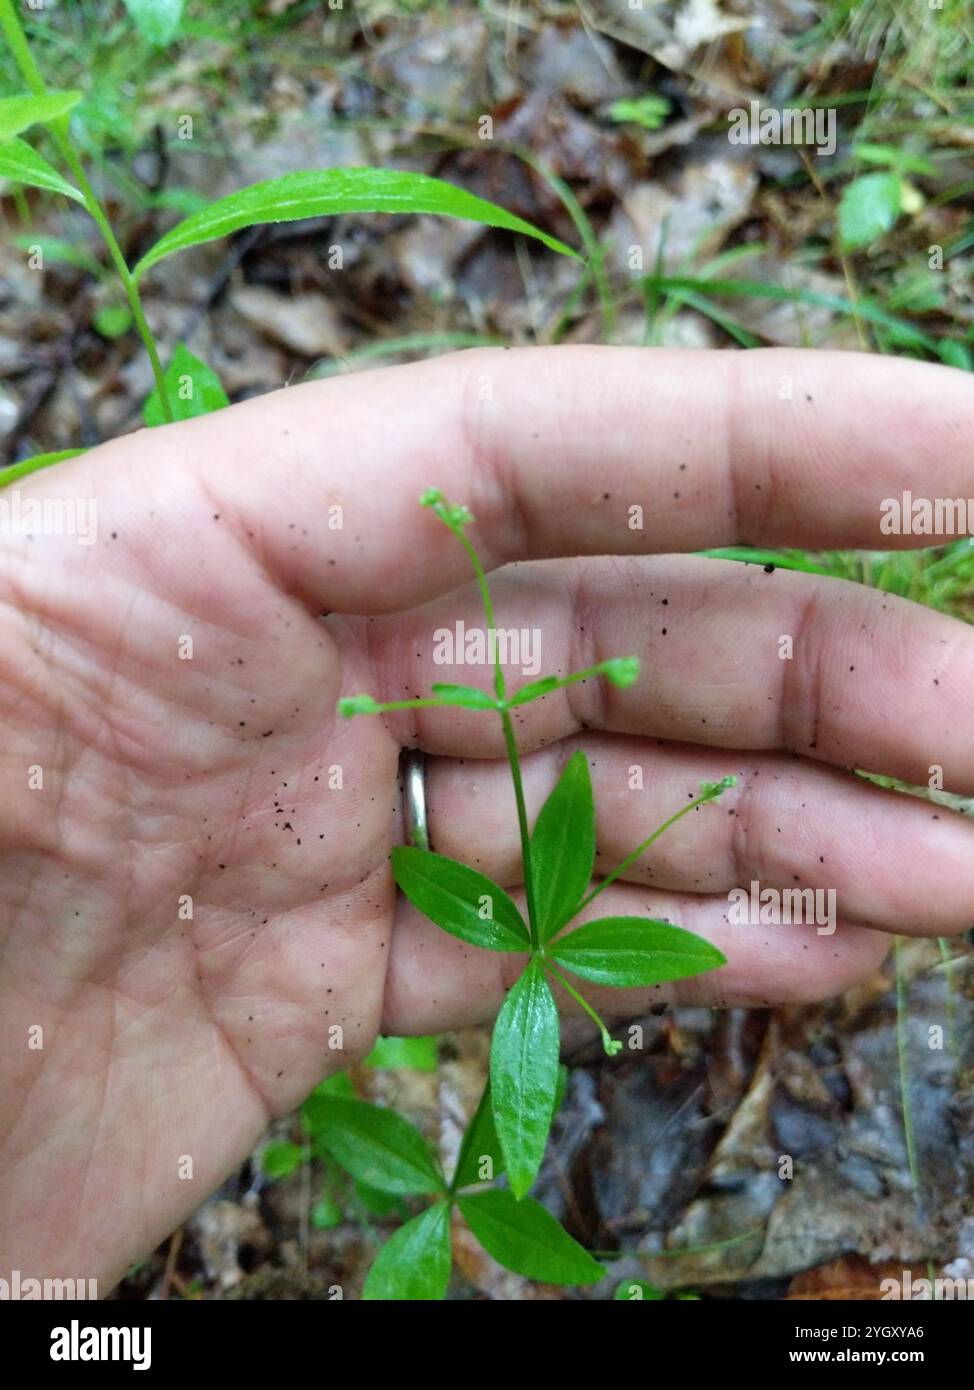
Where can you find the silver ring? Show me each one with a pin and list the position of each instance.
(413, 772)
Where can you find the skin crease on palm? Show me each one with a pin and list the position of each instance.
(210, 777)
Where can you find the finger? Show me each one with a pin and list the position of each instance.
(882, 858)
(436, 981)
(562, 451)
(731, 657)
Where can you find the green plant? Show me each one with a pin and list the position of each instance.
(390, 1160)
(558, 858)
(188, 387)
(344, 1194)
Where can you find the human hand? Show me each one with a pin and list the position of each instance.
(210, 779)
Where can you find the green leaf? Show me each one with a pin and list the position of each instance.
(524, 1075)
(954, 354)
(535, 689)
(326, 1214)
(526, 1238)
(418, 1054)
(458, 899)
(156, 20)
(21, 112)
(634, 951)
(466, 695)
(21, 164)
(357, 704)
(869, 207)
(635, 1290)
(112, 320)
(282, 1158)
(895, 158)
(620, 670)
(379, 1203)
(563, 846)
(415, 1262)
(325, 192)
(35, 464)
(193, 389)
(480, 1146)
(376, 1146)
(649, 111)
(338, 1085)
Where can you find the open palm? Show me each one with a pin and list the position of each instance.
(199, 920)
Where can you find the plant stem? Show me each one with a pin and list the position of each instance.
(510, 741)
(640, 849)
(500, 688)
(60, 132)
(422, 702)
(522, 822)
(609, 1044)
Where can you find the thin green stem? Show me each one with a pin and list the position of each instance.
(622, 671)
(60, 132)
(610, 1045)
(500, 687)
(630, 859)
(522, 823)
(59, 129)
(510, 741)
(586, 232)
(390, 706)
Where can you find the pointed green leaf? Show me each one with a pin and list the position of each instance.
(415, 1262)
(156, 20)
(193, 389)
(524, 1075)
(467, 695)
(634, 951)
(326, 192)
(21, 112)
(618, 670)
(375, 1202)
(458, 899)
(869, 207)
(480, 1158)
(22, 164)
(35, 464)
(357, 704)
(636, 1290)
(281, 1159)
(326, 1214)
(563, 846)
(375, 1145)
(338, 1085)
(416, 1054)
(535, 689)
(525, 1237)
